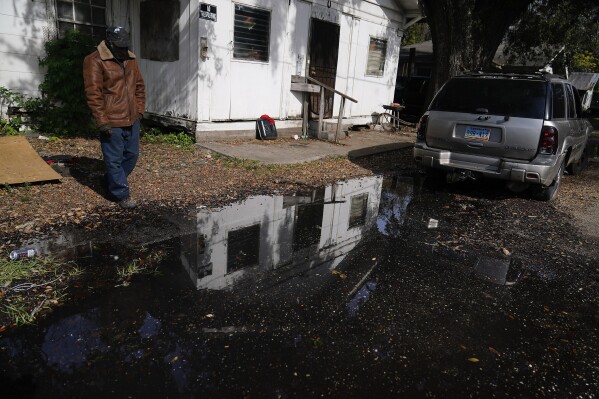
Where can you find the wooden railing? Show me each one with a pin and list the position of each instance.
(299, 83)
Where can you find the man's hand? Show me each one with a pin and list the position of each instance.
(106, 130)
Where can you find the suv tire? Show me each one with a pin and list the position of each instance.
(548, 193)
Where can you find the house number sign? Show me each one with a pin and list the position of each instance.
(208, 11)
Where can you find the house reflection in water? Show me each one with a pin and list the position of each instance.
(299, 232)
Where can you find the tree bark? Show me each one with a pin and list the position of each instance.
(467, 33)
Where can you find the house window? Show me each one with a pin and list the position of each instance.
(307, 228)
(357, 212)
(87, 16)
(243, 247)
(377, 50)
(251, 33)
(159, 30)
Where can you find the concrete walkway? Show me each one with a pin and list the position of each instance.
(286, 150)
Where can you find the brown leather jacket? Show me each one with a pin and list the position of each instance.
(115, 94)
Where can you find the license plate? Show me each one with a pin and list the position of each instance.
(477, 133)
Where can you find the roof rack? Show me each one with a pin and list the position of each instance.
(533, 75)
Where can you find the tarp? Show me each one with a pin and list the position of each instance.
(19, 163)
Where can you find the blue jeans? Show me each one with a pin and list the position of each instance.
(121, 150)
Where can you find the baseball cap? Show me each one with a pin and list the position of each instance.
(118, 36)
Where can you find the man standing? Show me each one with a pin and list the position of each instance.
(115, 94)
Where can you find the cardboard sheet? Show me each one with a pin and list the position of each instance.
(19, 163)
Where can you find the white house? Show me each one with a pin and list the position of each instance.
(247, 240)
(220, 64)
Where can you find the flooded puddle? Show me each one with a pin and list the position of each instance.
(254, 285)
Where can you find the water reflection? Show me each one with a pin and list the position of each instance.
(396, 196)
(150, 327)
(360, 298)
(259, 234)
(69, 343)
(160, 337)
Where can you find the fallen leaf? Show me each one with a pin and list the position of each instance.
(174, 359)
(473, 360)
(338, 273)
(494, 351)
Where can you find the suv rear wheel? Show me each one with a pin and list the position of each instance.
(548, 193)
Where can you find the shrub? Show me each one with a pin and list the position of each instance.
(7, 127)
(63, 107)
(156, 136)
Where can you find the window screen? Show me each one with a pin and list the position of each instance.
(251, 33)
(377, 51)
(87, 16)
(357, 212)
(559, 101)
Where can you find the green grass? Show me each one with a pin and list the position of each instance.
(17, 312)
(20, 307)
(155, 136)
(232, 162)
(25, 269)
(26, 197)
(129, 269)
(8, 188)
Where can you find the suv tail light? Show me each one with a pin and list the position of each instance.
(421, 127)
(549, 141)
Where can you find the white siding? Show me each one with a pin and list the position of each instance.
(277, 224)
(374, 91)
(244, 90)
(171, 87)
(222, 88)
(24, 26)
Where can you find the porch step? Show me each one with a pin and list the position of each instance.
(328, 131)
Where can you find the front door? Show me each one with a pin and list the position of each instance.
(324, 49)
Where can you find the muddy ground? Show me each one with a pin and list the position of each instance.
(179, 180)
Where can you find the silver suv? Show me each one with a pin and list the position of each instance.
(525, 129)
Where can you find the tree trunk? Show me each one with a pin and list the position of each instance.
(467, 33)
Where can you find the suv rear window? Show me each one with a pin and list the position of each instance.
(513, 97)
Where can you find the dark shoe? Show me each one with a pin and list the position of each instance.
(127, 203)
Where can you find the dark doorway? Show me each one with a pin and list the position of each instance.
(324, 50)
(308, 222)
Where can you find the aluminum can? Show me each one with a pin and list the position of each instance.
(22, 253)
